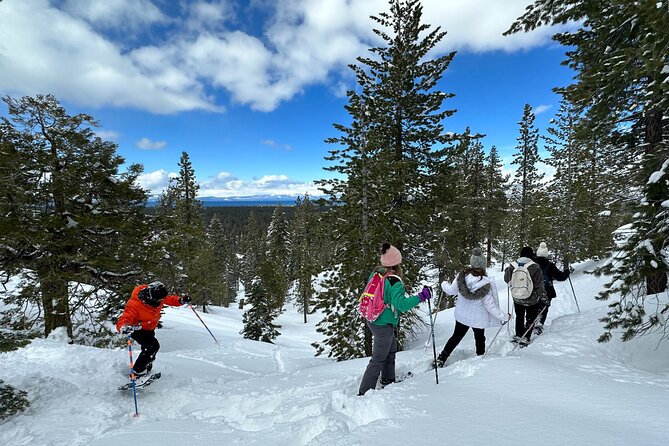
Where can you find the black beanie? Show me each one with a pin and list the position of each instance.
(527, 252)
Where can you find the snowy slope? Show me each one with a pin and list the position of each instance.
(565, 388)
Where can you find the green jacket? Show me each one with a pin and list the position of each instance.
(393, 295)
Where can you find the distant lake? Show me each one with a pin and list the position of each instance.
(210, 202)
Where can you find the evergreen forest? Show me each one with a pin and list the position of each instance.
(76, 234)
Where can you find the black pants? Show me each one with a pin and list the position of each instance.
(150, 346)
(459, 333)
(525, 317)
(540, 307)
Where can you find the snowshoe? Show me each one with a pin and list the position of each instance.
(140, 382)
(520, 341)
(384, 382)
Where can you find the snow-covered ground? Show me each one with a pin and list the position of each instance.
(565, 388)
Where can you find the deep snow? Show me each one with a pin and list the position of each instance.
(565, 388)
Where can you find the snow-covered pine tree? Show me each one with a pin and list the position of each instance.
(582, 192)
(252, 249)
(462, 190)
(387, 156)
(304, 243)
(188, 263)
(259, 318)
(68, 216)
(619, 52)
(277, 254)
(527, 193)
(569, 217)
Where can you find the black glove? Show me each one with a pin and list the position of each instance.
(185, 299)
(127, 329)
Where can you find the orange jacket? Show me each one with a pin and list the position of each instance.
(137, 312)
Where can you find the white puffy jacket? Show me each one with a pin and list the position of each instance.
(474, 311)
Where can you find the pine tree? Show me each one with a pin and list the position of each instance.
(252, 247)
(304, 242)
(581, 192)
(277, 254)
(527, 192)
(564, 191)
(259, 318)
(68, 214)
(495, 202)
(620, 55)
(226, 265)
(387, 158)
(188, 263)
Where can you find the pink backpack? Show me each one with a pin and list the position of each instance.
(371, 301)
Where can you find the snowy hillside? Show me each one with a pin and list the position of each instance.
(564, 388)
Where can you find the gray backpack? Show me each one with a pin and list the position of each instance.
(521, 284)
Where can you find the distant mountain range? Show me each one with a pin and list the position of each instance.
(256, 200)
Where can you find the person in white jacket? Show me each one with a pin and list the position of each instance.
(477, 305)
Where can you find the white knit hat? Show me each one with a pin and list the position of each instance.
(542, 250)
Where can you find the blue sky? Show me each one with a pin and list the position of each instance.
(250, 89)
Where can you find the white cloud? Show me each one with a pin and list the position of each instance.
(116, 13)
(44, 49)
(147, 144)
(275, 145)
(68, 52)
(541, 108)
(155, 182)
(210, 15)
(226, 185)
(107, 135)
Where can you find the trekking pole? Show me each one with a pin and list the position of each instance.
(531, 326)
(132, 375)
(493, 339)
(572, 290)
(205, 325)
(508, 308)
(429, 338)
(434, 348)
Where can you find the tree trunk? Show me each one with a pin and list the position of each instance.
(368, 340)
(55, 301)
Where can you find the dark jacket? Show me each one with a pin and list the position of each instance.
(551, 273)
(538, 292)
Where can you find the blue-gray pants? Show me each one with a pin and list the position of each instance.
(384, 348)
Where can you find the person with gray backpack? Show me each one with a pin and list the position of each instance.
(526, 285)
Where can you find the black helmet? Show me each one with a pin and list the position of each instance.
(153, 294)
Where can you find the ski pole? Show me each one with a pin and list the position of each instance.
(434, 349)
(493, 339)
(205, 325)
(572, 290)
(132, 375)
(531, 326)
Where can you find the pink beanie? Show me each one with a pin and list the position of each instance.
(390, 256)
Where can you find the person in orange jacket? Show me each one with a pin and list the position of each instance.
(140, 319)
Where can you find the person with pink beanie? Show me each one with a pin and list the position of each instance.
(384, 344)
